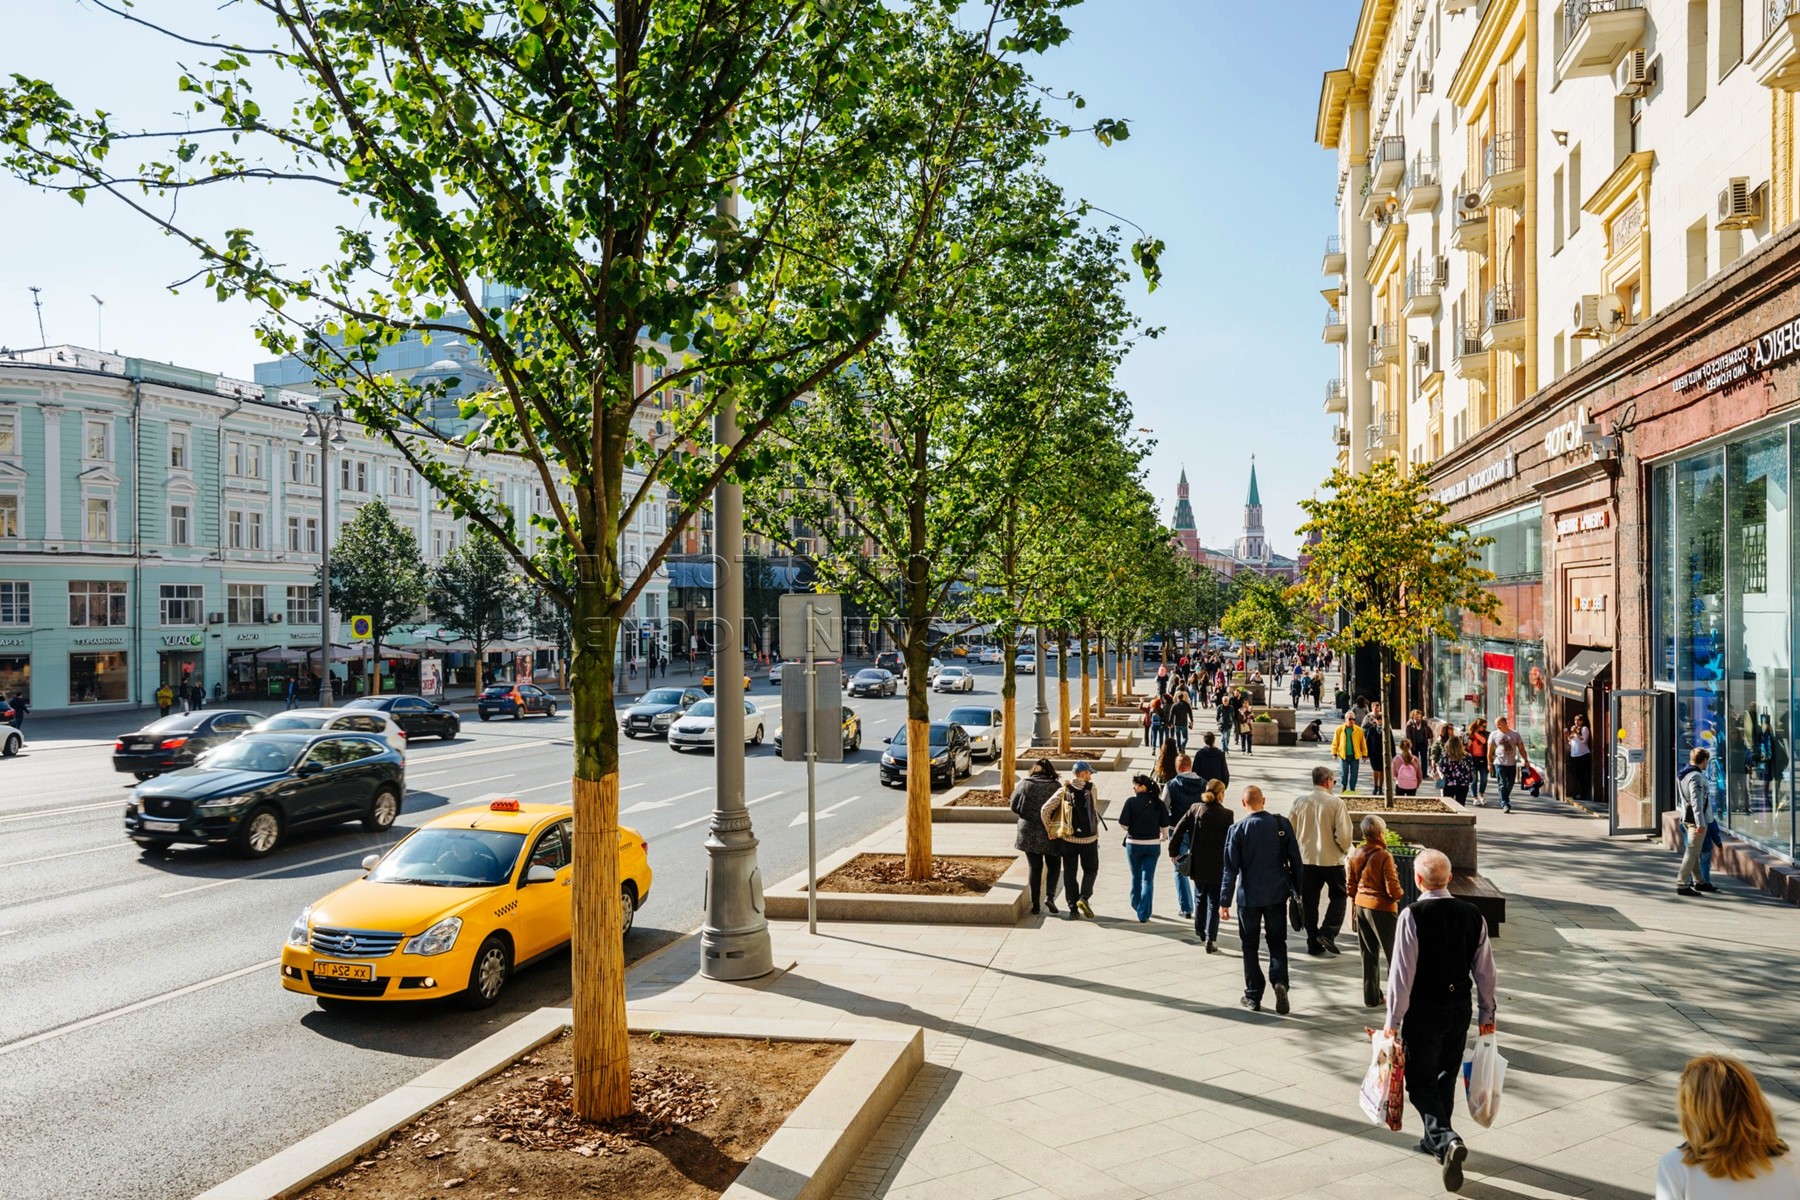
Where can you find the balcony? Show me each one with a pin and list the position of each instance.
(1385, 347)
(1470, 231)
(1383, 433)
(1423, 186)
(1503, 319)
(1335, 330)
(1335, 399)
(1373, 203)
(1334, 256)
(1776, 63)
(1424, 288)
(1471, 354)
(1597, 33)
(1387, 166)
(1503, 170)
(1340, 435)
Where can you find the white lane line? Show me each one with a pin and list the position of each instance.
(770, 796)
(823, 813)
(57, 812)
(483, 779)
(526, 745)
(139, 1006)
(7, 932)
(543, 787)
(25, 862)
(689, 795)
(311, 862)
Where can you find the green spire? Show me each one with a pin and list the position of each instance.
(1254, 497)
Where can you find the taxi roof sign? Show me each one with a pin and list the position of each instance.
(504, 806)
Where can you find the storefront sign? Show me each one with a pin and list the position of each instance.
(111, 639)
(1735, 366)
(1591, 604)
(183, 639)
(1583, 522)
(12, 641)
(1566, 438)
(1487, 477)
(249, 637)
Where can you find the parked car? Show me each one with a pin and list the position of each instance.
(873, 681)
(990, 656)
(951, 755)
(252, 792)
(658, 709)
(347, 720)
(1025, 664)
(416, 716)
(890, 661)
(514, 700)
(697, 726)
(10, 740)
(954, 679)
(175, 741)
(985, 727)
(852, 729)
(454, 909)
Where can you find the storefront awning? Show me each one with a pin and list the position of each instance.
(1573, 681)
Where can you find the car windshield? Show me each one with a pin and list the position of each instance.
(662, 696)
(703, 709)
(254, 754)
(369, 702)
(451, 858)
(295, 721)
(956, 670)
(970, 716)
(940, 735)
(870, 676)
(176, 723)
(499, 689)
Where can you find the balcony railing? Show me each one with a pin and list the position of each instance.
(1423, 280)
(1499, 307)
(1335, 243)
(1468, 340)
(1505, 152)
(1334, 389)
(1424, 171)
(1778, 11)
(1577, 12)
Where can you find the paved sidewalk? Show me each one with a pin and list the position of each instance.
(1110, 1059)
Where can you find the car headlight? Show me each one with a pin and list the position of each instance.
(214, 808)
(663, 719)
(301, 933)
(888, 760)
(439, 939)
(940, 758)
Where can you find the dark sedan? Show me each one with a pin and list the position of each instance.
(952, 757)
(873, 681)
(252, 793)
(657, 709)
(176, 741)
(415, 715)
(514, 700)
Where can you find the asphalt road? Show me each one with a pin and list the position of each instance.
(146, 1047)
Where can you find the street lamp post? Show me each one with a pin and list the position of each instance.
(324, 430)
(1040, 717)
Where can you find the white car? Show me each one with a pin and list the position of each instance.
(990, 657)
(985, 727)
(775, 672)
(954, 679)
(10, 739)
(695, 728)
(355, 720)
(1025, 664)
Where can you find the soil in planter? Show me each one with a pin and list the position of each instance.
(980, 798)
(886, 874)
(705, 1106)
(1376, 805)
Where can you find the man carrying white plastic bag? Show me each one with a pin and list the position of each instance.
(1484, 1074)
(1442, 966)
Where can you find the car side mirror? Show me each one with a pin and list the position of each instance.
(369, 861)
(887, 741)
(310, 768)
(539, 873)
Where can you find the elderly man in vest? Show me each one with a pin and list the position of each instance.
(1442, 964)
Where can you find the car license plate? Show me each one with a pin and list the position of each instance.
(161, 826)
(337, 970)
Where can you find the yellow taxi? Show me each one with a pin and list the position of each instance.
(453, 909)
(706, 680)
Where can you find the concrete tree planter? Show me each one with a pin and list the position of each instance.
(1452, 831)
(1003, 904)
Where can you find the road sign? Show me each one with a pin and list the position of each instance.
(827, 623)
(827, 717)
(362, 628)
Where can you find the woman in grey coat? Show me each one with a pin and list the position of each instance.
(1028, 800)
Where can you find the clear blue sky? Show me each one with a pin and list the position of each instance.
(1220, 164)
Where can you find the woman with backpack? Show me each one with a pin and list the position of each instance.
(1072, 819)
(1042, 855)
(1144, 818)
(1201, 834)
(1407, 770)
(1156, 723)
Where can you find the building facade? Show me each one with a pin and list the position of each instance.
(1250, 552)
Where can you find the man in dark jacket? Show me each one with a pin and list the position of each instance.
(1262, 869)
(1041, 854)
(1209, 761)
(1180, 794)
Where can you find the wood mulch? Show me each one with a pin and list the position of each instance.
(980, 798)
(1375, 804)
(703, 1108)
(958, 875)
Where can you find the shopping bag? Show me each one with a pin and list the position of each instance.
(1484, 1073)
(1383, 1092)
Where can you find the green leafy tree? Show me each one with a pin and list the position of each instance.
(376, 572)
(1389, 556)
(478, 592)
(1264, 613)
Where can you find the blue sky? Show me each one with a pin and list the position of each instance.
(1220, 164)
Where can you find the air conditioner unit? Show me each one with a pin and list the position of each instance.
(1586, 317)
(1441, 271)
(1635, 74)
(272, 619)
(1422, 354)
(1340, 436)
(215, 618)
(1470, 202)
(1738, 205)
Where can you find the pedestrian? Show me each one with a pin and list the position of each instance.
(1038, 787)
(1406, 769)
(1340, 700)
(1226, 718)
(1296, 685)
(1182, 791)
(1181, 713)
(1144, 720)
(1476, 744)
(1506, 755)
(1156, 722)
(1418, 732)
(1312, 732)
(1209, 760)
(1438, 746)
(1162, 679)
(1145, 820)
(1694, 804)
(165, 700)
(1731, 1147)
(20, 707)
(1440, 949)
(1242, 723)
(1349, 747)
(1459, 769)
(1322, 826)
(1166, 763)
(1202, 831)
(1580, 760)
(1374, 884)
(1361, 709)
(1375, 737)
(1078, 840)
(1262, 869)
(293, 692)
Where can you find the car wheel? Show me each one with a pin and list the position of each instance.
(518, 713)
(260, 833)
(551, 712)
(11, 748)
(674, 747)
(757, 740)
(855, 742)
(140, 776)
(483, 716)
(627, 908)
(493, 966)
(382, 811)
(450, 731)
(631, 735)
(154, 846)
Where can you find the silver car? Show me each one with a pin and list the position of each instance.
(985, 727)
(350, 720)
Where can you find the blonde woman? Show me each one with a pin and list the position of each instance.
(1732, 1151)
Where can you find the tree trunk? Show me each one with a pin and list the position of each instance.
(1087, 722)
(1387, 738)
(1064, 745)
(602, 1052)
(1009, 708)
(918, 757)
(1104, 672)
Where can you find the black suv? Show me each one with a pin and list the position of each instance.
(657, 709)
(176, 741)
(890, 661)
(415, 715)
(952, 755)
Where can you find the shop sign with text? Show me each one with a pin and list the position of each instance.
(1737, 365)
(1487, 477)
(1583, 522)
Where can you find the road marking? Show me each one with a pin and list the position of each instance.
(770, 796)
(824, 812)
(483, 779)
(57, 812)
(708, 816)
(139, 1006)
(312, 862)
(7, 932)
(526, 745)
(690, 795)
(25, 862)
(543, 787)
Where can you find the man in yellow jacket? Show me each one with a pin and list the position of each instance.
(1349, 747)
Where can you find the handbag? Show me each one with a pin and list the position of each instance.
(1382, 1096)
(1296, 917)
(1057, 822)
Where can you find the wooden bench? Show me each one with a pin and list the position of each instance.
(1483, 895)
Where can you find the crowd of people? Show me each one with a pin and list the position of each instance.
(1204, 684)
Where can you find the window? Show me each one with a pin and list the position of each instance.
(97, 678)
(9, 433)
(552, 849)
(1696, 254)
(98, 513)
(94, 603)
(303, 535)
(97, 445)
(234, 458)
(303, 466)
(183, 603)
(9, 516)
(243, 604)
(302, 606)
(252, 461)
(399, 481)
(1697, 53)
(1575, 190)
(178, 450)
(15, 602)
(179, 525)
(244, 530)
(1557, 209)
(234, 529)
(1731, 35)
